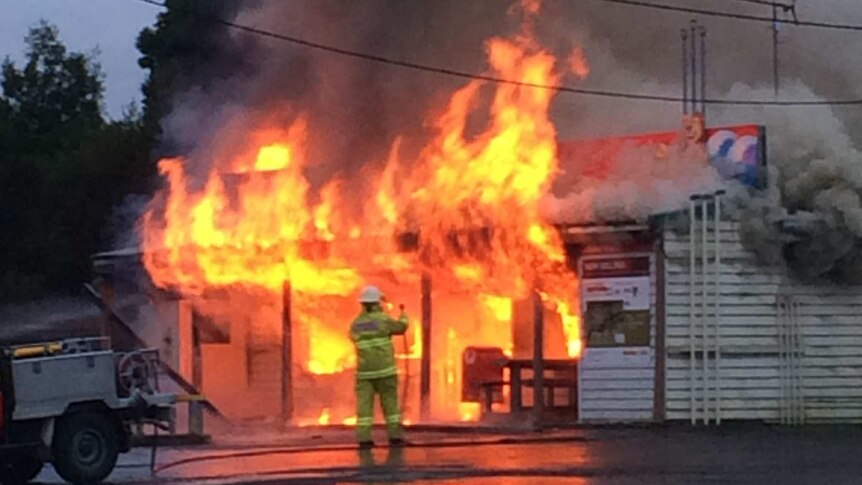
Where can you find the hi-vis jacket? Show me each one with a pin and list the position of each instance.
(371, 333)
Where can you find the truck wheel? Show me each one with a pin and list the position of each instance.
(21, 471)
(85, 447)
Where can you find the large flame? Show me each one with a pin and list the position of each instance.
(470, 202)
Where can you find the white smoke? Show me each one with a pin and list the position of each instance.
(637, 186)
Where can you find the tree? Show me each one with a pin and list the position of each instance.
(63, 166)
(186, 48)
(56, 95)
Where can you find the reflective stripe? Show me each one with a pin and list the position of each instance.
(364, 421)
(394, 418)
(373, 342)
(374, 374)
(366, 326)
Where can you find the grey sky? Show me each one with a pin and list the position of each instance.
(109, 25)
(740, 51)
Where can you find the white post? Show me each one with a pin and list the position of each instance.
(798, 375)
(717, 343)
(692, 243)
(793, 369)
(703, 319)
(781, 321)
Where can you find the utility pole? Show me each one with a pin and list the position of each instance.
(775, 80)
(777, 9)
(693, 69)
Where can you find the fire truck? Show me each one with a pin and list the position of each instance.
(75, 404)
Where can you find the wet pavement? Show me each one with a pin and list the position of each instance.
(656, 455)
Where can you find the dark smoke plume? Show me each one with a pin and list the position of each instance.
(811, 213)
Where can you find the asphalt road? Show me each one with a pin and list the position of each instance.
(755, 455)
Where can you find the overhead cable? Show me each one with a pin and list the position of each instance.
(493, 79)
(732, 15)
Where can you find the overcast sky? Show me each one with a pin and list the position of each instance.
(739, 51)
(111, 26)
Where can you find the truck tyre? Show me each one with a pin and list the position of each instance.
(21, 471)
(85, 447)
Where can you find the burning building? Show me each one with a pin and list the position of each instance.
(254, 242)
(501, 241)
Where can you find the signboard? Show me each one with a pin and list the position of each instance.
(615, 267)
(736, 152)
(616, 296)
(631, 293)
(617, 357)
(615, 292)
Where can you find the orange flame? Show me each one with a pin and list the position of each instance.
(578, 63)
(324, 417)
(470, 200)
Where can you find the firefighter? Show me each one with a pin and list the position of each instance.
(371, 333)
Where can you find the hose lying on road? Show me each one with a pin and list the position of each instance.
(352, 447)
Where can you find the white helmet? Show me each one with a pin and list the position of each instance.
(370, 294)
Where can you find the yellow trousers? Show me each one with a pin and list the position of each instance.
(387, 389)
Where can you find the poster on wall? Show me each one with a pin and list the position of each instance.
(615, 295)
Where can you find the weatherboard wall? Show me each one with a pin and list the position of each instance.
(752, 366)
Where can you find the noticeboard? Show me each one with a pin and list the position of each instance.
(616, 295)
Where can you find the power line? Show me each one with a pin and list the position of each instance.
(740, 16)
(488, 78)
(770, 3)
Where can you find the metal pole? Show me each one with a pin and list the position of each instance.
(791, 386)
(775, 50)
(660, 396)
(425, 370)
(779, 321)
(693, 64)
(782, 357)
(286, 354)
(692, 243)
(797, 359)
(538, 358)
(703, 72)
(797, 418)
(717, 343)
(800, 336)
(703, 322)
(684, 35)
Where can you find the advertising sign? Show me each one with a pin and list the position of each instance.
(616, 297)
(631, 293)
(736, 152)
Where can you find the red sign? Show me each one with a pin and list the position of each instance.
(735, 151)
(616, 267)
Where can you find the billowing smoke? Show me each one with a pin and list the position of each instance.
(636, 185)
(811, 216)
(810, 213)
(357, 108)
